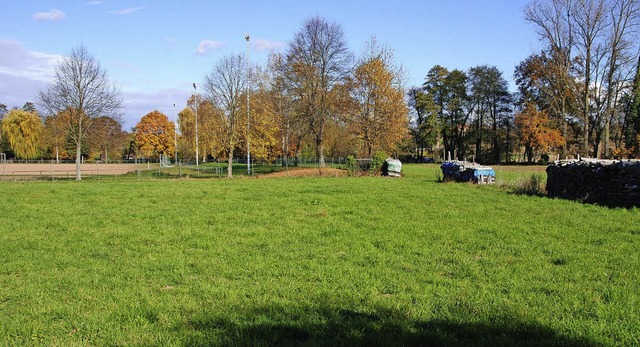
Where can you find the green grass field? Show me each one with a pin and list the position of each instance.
(313, 261)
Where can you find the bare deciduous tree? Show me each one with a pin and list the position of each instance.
(282, 101)
(319, 60)
(588, 18)
(552, 19)
(623, 29)
(604, 35)
(81, 88)
(224, 86)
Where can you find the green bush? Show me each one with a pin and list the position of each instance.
(377, 162)
(534, 185)
(544, 159)
(352, 165)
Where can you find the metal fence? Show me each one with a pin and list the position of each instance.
(13, 170)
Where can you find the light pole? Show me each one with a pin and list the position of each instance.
(246, 37)
(175, 136)
(197, 152)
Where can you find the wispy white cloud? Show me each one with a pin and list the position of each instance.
(53, 16)
(20, 62)
(95, 2)
(129, 10)
(207, 46)
(23, 72)
(268, 45)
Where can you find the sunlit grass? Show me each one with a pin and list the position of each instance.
(314, 261)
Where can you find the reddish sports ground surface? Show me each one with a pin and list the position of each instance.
(65, 169)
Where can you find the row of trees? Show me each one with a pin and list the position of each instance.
(464, 113)
(314, 96)
(579, 95)
(82, 109)
(27, 135)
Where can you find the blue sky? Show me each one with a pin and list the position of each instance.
(155, 50)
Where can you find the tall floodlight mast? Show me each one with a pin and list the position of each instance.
(246, 37)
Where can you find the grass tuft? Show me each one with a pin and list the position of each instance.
(534, 185)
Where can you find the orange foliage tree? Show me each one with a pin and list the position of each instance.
(155, 135)
(379, 118)
(107, 139)
(536, 132)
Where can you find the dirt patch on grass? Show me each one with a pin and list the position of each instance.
(307, 172)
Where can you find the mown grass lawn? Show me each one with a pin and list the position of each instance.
(313, 261)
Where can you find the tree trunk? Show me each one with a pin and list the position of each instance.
(585, 127)
(321, 162)
(298, 144)
(459, 150)
(79, 152)
(497, 148)
(607, 136)
(508, 144)
(285, 146)
(596, 142)
(284, 152)
(320, 152)
(230, 164)
(479, 139)
(78, 161)
(529, 154)
(565, 128)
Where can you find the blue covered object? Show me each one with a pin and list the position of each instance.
(462, 171)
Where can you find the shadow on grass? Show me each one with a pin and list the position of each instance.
(340, 327)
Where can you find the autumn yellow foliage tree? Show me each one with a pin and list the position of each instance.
(210, 124)
(186, 122)
(23, 130)
(155, 135)
(536, 132)
(265, 121)
(379, 118)
(282, 103)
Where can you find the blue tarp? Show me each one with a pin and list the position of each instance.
(485, 172)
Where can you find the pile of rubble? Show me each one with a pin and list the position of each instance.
(605, 182)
